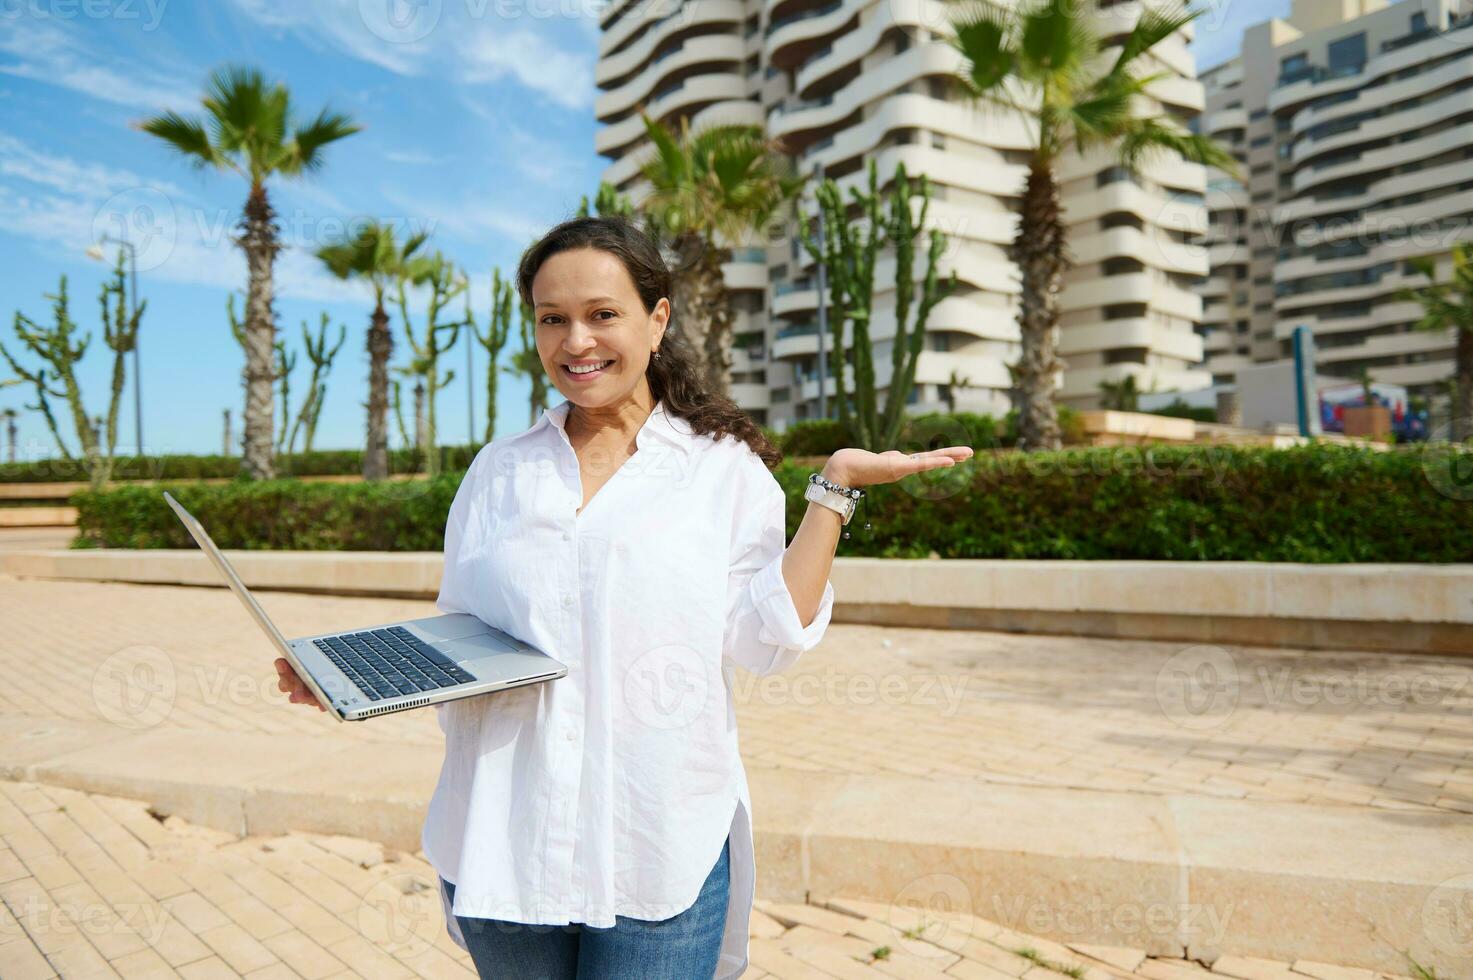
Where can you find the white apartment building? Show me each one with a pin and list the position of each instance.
(1355, 123)
(846, 81)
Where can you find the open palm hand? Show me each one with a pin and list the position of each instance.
(861, 468)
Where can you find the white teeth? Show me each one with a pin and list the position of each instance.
(588, 368)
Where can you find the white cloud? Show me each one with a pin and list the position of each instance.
(179, 239)
(471, 39)
(564, 77)
(46, 52)
(468, 219)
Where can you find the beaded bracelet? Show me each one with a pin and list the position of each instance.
(857, 493)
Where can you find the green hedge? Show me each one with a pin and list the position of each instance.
(1308, 504)
(319, 462)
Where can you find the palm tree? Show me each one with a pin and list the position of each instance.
(253, 133)
(1122, 396)
(710, 189)
(1449, 306)
(375, 256)
(1045, 62)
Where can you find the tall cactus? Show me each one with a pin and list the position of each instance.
(321, 358)
(498, 331)
(910, 340)
(286, 363)
(55, 346)
(849, 252)
(445, 282)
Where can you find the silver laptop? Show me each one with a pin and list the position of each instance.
(361, 673)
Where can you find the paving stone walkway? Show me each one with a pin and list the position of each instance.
(96, 886)
(1338, 728)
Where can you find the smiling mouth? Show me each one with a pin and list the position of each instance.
(587, 372)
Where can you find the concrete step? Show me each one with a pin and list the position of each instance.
(1173, 875)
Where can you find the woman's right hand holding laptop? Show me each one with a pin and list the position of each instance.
(288, 682)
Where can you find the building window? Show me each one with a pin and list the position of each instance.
(1419, 22)
(1348, 55)
(1293, 63)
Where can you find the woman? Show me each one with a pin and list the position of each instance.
(598, 825)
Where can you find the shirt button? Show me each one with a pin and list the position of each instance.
(570, 735)
(567, 601)
(567, 535)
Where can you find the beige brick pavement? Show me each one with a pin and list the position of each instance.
(95, 886)
(1380, 730)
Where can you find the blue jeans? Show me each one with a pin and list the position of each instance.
(685, 946)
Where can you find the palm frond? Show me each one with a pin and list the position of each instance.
(308, 140)
(1154, 26)
(1146, 137)
(185, 135)
(983, 36)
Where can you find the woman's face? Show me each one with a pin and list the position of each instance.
(588, 313)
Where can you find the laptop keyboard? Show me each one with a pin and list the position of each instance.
(386, 663)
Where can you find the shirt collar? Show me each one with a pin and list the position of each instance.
(662, 425)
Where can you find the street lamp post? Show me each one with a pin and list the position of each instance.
(95, 251)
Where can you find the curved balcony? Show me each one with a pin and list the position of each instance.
(715, 87)
(633, 58)
(1388, 94)
(1182, 344)
(786, 40)
(1154, 249)
(1386, 157)
(1225, 121)
(896, 111)
(719, 49)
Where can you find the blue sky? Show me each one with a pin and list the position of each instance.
(478, 127)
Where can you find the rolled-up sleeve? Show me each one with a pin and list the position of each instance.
(763, 632)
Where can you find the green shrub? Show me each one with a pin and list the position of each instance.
(1181, 410)
(319, 462)
(1314, 503)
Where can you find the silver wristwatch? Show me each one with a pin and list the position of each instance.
(818, 491)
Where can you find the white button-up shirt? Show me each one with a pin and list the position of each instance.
(612, 789)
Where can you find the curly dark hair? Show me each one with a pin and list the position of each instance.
(674, 376)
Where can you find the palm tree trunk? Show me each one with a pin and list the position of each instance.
(1039, 251)
(689, 289)
(380, 346)
(1462, 426)
(717, 299)
(258, 241)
